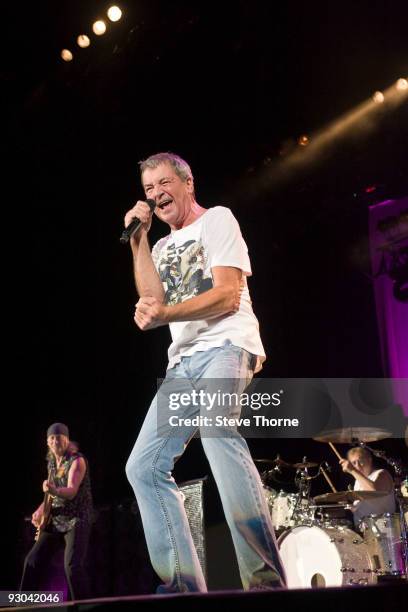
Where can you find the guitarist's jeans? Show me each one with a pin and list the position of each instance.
(159, 445)
(37, 562)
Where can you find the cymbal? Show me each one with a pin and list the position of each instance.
(277, 461)
(305, 464)
(348, 435)
(348, 496)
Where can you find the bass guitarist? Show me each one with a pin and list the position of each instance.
(64, 518)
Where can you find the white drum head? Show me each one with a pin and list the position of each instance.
(309, 558)
(320, 557)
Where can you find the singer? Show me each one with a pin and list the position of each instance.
(195, 280)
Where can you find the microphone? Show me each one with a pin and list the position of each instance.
(135, 224)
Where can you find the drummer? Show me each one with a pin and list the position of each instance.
(359, 464)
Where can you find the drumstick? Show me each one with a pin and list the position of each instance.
(333, 488)
(334, 449)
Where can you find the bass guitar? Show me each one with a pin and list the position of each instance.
(46, 515)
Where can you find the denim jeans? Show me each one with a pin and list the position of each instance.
(149, 470)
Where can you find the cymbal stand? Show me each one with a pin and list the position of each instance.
(404, 530)
(302, 481)
(272, 474)
(302, 512)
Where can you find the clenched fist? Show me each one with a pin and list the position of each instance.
(150, 313)
(140, 211)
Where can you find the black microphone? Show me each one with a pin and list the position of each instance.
(135, 224)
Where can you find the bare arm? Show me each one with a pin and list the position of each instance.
(222, 299)
(37, 514)
(383, 482)
(365, 483)
(75, 477)
(147, 280)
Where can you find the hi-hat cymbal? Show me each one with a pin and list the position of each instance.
(348, 435)
(305, 464)
(348, 496)
(277, 461)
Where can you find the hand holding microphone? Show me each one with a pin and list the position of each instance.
(140, 214)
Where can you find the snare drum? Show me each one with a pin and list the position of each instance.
(325, 556)
(383, 535)
(333, 516)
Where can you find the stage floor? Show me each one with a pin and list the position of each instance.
(381, 597)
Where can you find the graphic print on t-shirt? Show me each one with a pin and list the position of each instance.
(181, 271)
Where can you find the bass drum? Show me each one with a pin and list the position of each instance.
(325, 556)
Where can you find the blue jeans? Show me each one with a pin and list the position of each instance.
(149, 470)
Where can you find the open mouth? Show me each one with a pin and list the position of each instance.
(165, 203)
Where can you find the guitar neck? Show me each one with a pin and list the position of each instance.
(47, 506)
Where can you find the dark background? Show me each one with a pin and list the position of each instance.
(229, 86)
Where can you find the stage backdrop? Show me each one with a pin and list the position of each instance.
(389, 257)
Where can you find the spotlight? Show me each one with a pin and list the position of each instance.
(83, 41)
(303, 140)
(99, 27)
(66, 55)
(402, 84)
(114, 13)
(378, 97)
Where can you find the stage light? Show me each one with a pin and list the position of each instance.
(370, 188)
(114, 13)
(303, 140)
(402, 84)
(66, 55)
(356, 123)
(378, 97)
(83, 41)
(99, 27)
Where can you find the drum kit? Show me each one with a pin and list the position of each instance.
(318, 541)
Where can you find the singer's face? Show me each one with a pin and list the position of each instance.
(172, 195)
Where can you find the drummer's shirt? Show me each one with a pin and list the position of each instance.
(379, 505)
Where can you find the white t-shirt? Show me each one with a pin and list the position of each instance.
(379, 505)
(184, 260)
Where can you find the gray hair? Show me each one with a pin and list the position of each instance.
(362, 451)
(181, 167)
